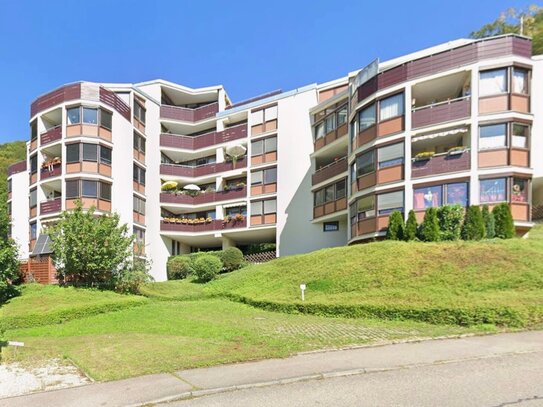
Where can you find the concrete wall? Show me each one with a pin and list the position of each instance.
(19, 212)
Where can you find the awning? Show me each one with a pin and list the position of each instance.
(235, 205)
(441, 134)
(42, 247)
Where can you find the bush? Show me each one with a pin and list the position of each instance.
(132, 277)
(178, 267)
(232, 259)
(395, 226)
(206, 267)
(429, 228)
(261, 248)
(410, 231)
(9, 264)
(450, 221)
(488, 219)
(474, 226)
(504, 226)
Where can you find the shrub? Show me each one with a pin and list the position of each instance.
(9, 264)
(178, 267)
(450, 221)
(410, 231)
(232, 259)
(488, 219)
(130, 279)
(429, 228)
(395, 226)
(504, 226)
(206, 267)
(474, 226)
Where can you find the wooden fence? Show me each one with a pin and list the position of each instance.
(261, 257)
(39, 270)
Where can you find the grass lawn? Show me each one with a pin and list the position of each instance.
(164, 336)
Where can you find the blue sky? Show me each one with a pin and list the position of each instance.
(250, 47)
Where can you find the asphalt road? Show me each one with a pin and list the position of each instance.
(505, 380)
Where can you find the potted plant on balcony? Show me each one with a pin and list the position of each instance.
(235, 153)
(169, 186)
(226, 219)
(239, 217)
(457, 150)
(424, 156)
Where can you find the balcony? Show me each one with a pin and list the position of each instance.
(330, 207)
(441, 164)
(51, 206)
(203, 198)
(50, 171)
(442, 112)
(189, 115)
(51, 135)
(177, 170)
(331, 170)
(171, 225)
(16, 168)
(204, 140)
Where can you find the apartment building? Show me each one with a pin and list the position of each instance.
(319, 166)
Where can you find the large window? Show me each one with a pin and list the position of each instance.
(139, 143)
(268, 145)
(33, 163)
(263, 115)
(390, 107)
(139, 112)
(427, 197)
(72, 189)
(105, 155)
(519, 190)
(330, 193)
(72, 153)
(519, 136)
(366, 207)
(493, 136)
(90, 115)
(33, 198)
(267, 207)
(520, 81)
(89, 152)
(74, 115)
(391, 155)
(367, 117)
(392, 201)
(267, 176)
(365, 163)
(88, 189)
(493, 82)
(342, 116)
(457, 194)
(106, 119)
(139, 174)
(330, 123)
(319, 131)
(492, 190)
(139, 205)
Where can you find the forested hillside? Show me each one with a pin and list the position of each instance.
(9, 153)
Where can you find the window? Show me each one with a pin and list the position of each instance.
(106, 119)
(33, 231)
(267, 176)
(492, 190)
(34, 130)
(90, 115)
(341, 189)
(72, 153)
(270, 113)
(139, 175)
(330, 123)
(105, 155)
(365, 163)
(493, 82)
(90, 152)
(519, 138)
(72, 189)
(342, 116)
(9, 208)
(260, 147)
(330, 226)
(139, 235)
(139, 143)
(391, 155)
(352, 134)
(330, 193)
(457, 193)
(270, 145)
(256, 208)
(10, 185)
(366, 207)
(387, 203)
(33, 198)
(139, 112)
(257, 117)
(263, 115)
(74, 115)
(270, 207)
(33, 163)
(367, 117)
(493, 136)
(233, 211)
(105, 191)
(390, 107)
(319, 197)
(319, 131)
(256, 177)
(427, 197)
(519, 190)
(89, 189)
(139, 205)
(520, 81)
(257, 148)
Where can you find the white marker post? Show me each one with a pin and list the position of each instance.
(302, 287)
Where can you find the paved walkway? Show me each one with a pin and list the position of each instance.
(304, 367)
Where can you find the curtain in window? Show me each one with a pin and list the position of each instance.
(493, 82)
(391, 107)
(492, 190)
(520, 81)
(427, 197)
(493, 136)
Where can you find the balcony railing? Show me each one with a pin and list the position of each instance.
(50, 206)
(203, 198)
(189, 115)
(441, 164)
(16, 168)
(51, 135)
(214, 225)
(203, 140)
(51, 171)
(329, 171)
(442, 112)
(206, 169)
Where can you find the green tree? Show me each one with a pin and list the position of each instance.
(410, 231)
(9, 263)
(232, 258)
(488, 219)
(429, 228)
(207, 267)
(396, 226)
(504, 225)
(474, 226)
(91, 250)
(450, 221)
